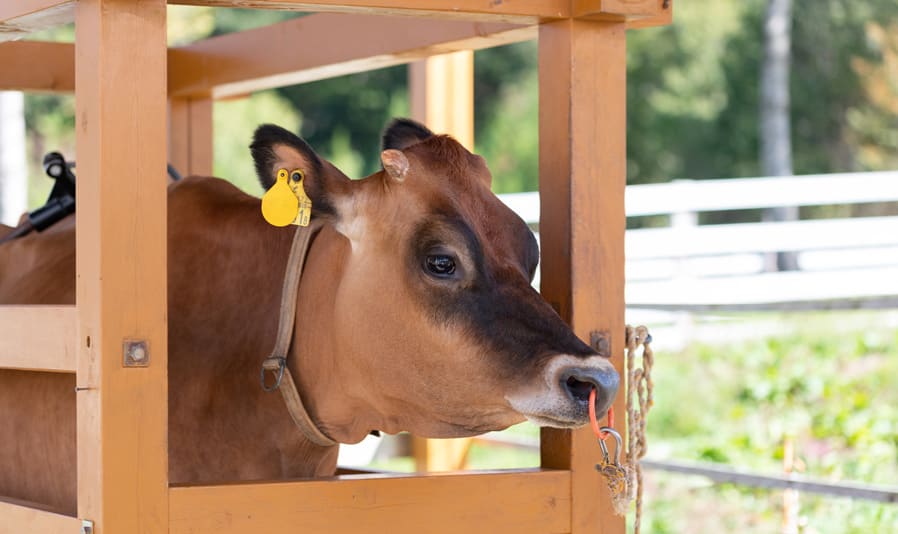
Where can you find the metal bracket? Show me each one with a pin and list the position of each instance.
(135, 353)
(600, 341)
(87, 526)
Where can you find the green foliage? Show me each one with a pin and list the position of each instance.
(828, 387)
(49, 126)
(506, 114)
(692, 96)
(232, 137)
(343, 117)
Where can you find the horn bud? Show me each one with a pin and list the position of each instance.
(395, 163)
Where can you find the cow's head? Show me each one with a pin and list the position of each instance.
(437, 317)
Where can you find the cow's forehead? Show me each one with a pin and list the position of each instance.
(455, 181)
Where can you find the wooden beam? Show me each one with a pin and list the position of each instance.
(190, 135)
(37, 66)
(210, 67)
(38, 338)
(516, 11)
(442, 94)
(18, 18)
(663, 17)
(20, 518)
(618, 10)
(582, 161)
(510, 501)
(321, 46)
(121, 264)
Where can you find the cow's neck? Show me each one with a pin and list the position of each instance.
(328, 382)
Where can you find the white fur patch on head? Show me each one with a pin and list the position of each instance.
(351, 222)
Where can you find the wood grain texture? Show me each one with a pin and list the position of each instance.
(38, 338)
(663, 17)
(18, 518)
(513, 501)
(515, 11)
(582, 123)
(37, 66)
(617, 9)
(442, 94)
(321, 46)
(18, 18)
(121, 263)
(190, 135)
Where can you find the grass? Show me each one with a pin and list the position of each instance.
(829, 385)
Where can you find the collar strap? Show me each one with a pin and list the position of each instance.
(277, 362)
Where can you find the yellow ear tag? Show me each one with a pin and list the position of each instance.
(305, 203)
(279, 205)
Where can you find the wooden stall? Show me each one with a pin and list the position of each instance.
(128, 82)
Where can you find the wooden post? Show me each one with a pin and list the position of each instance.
(121, 265)
(190, 135)
(442, 94)
(442, 97)
(582, 164)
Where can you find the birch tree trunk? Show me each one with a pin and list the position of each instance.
(775, 134)
(13, 174)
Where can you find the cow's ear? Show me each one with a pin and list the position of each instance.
(275, 148)
(403, 133)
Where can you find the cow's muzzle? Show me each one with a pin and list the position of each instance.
(560, 396)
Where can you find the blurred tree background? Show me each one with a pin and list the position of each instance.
(692, 97)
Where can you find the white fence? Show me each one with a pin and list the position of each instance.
(845, 263)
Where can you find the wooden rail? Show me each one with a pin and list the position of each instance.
(22, 517)
(681, 196)
(18, 18)
(38, 338)
(724, 474)
(846, 262)
(240, 63)
(516, 500)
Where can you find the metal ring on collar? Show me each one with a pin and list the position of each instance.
(281, 366)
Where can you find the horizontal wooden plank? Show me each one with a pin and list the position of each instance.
(742, 477)
(720, 239)
(12, 11)
(618, 9)
(768, 192)
(242, 62)
(18, 18)
(516, 11)
(37, 66)
(38, 338)
(17, 518)
(509, 501)
(872, 287)
(321, 46)
(740, 193)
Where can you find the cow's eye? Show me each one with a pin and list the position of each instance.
(440, 265)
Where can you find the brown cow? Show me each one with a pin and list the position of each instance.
(415, 312)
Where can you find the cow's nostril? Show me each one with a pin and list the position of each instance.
(578, 390)
(578, 382)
